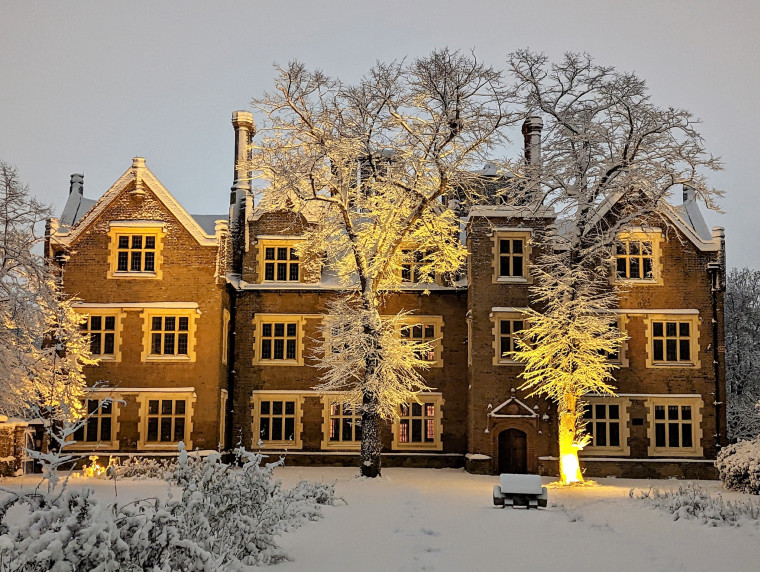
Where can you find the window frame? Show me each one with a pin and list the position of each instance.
(256, 398)
(143, 399)
(290, 244)
(437, 341)
(412, 259)
(654, 236)
(437, 444)
(113, 444)
(147, 316)
(512, 314)
(327, 444)
(260, 319)
(155, 229)
(623, 404)
(694, 321)
(511, 234)
(697, 405)
(118, 315)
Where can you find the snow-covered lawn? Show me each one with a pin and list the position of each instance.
(426, 519)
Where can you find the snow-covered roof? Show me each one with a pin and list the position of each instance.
(75, 208)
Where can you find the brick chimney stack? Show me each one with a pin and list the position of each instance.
(77, 183)
(242, 121)
(531, 130)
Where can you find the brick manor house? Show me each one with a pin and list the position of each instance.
(204, 327)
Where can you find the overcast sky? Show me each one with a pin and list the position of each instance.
(87, 85)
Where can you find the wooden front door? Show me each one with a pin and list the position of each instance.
(513, 451)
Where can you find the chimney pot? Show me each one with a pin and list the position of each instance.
(531, 130)
(77, 183)
(688, 193)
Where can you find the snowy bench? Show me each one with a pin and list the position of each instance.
(519, 490)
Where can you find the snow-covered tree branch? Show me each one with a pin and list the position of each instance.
(375, 164)
(610, 161)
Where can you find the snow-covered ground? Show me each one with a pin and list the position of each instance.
(426, 519)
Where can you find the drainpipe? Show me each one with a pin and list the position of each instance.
(231, 374)
(716, 271)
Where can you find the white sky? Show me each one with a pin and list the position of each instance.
(87, 85)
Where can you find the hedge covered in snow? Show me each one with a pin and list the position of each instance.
(739, 466)
(224, 518)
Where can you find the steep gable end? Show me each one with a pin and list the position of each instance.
(136, 181)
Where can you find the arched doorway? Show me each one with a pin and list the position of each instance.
(513, 451)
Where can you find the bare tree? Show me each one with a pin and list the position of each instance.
(42, 351)
(742, 319)
(375, 163)
(610, 160)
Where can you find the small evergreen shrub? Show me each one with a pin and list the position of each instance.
(739, 466)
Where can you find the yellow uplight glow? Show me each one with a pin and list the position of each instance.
(569, 468)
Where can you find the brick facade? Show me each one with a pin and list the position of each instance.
(664, 421)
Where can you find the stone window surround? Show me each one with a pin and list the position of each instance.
(274, 241)
(143, 397)
(327, 444)
(262, 318)
(497, 315)
(624, 404)
(277, 395)
(697, 404)
(511, 232)
(653, 235)
(691, 316)
(437, 445)
(132, 227)
(437, 342)
(113, 444)
(118, 316)
(147, 316)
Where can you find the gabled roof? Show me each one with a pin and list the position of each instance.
(687, 217)
(77, 216)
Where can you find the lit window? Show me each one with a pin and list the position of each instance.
(419, 424)
(343, 426)
(166, 420)
(278, 339)
(135, 252)
(277, 419)
(674, 426)
(97, 426)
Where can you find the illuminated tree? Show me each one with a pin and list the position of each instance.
(610, 160)
(42, 351)
(375, 164)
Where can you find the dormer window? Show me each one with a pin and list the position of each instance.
(135, 250)
(279, 261)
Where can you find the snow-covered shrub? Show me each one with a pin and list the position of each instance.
(739, 466)
(224, 518)
(61, 532)
(691, 501)
(141, 468)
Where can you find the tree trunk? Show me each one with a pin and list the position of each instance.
(371, 444)
(569, 466)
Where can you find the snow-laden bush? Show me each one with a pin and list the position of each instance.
(691, 501)
(141, 468)
(224, 518)
(739, 466)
